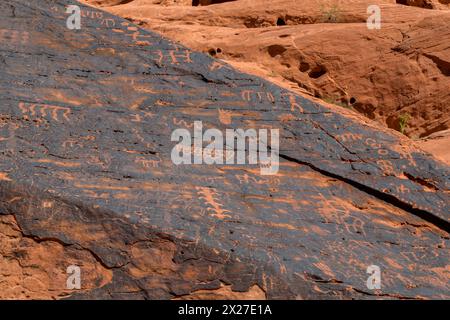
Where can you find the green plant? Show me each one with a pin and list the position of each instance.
(331, 14)
(403, 122)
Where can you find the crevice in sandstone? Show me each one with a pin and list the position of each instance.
(421, 181)
(65, 244)
(443, 66)
(416, 3)
(345, 287)
(319, 279)
(394, 296)
(425, 215)
(40, 272)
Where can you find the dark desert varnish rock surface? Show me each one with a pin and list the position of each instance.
(86, 177)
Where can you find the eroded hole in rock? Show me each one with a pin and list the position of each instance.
(276, 50)
(317, 72)
(416, 3)
(212, 52)
(281, 22)
(304, 66)
(208, 2)
(443, 65)
(352, 100)
(366, 109)
(434, 129)
(421, 181)
(257, 22)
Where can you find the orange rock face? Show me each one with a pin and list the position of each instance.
(32, 268)
(437, 144)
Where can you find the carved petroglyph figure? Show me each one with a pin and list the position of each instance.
(225, 116)
(173, 57)
(148, 163)
(109, 23)
(210, 197)
(183, 56)
(55, 113)
(216, 65)
(249, 95)
(14, 36)
(293, 102)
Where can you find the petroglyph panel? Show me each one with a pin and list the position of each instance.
(85, 132)
(53, 113)
(11, 37)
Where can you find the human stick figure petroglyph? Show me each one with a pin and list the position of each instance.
(294, 105)
(249, 95)
(173, 57)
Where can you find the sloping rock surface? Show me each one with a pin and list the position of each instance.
(323, 48)
(86, 177)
